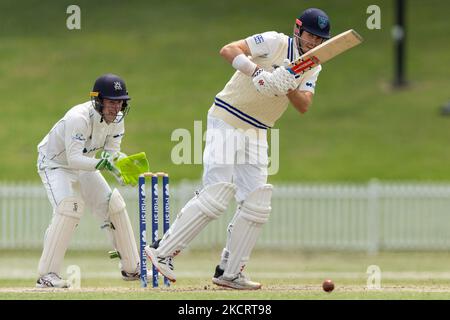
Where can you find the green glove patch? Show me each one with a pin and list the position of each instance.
(133, 166)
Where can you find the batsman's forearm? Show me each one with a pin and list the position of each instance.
(229, 53)
(233, 49)
(301, 100)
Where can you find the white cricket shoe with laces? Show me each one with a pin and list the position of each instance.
(164, 265)
(240, 281)
(52, 280)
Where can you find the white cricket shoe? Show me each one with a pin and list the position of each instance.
(164, 265)
(52, 280)
(240, 281)
(130, 276)
(134, 276)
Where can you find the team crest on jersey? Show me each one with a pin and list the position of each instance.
(117, 85)
(258, 39)
(79, 137)
(322, 21)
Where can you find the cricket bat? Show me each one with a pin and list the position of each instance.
(325, 51)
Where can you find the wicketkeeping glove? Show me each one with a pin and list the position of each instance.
(132, 166)
(116, 156)
(106, 163)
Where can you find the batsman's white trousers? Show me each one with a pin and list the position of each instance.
(235, 156)
(88, 185)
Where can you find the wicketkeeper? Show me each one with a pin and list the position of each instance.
(70, 173)
(235, 156)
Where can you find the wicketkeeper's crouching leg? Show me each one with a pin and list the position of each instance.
(207, 205)
(122, 237)
(243, 231)
(57, 237)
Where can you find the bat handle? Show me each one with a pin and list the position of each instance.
(287, 68)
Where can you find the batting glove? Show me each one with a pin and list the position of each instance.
(283, 80)
(264, 84)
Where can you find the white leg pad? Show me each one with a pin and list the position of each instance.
(122, 233)
(210, 203)
(245, 228)
(58, 234)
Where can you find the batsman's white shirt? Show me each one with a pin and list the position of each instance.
(236, 141)
(240, 104)
(66, 160)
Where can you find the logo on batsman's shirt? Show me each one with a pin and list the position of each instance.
(310, 84)
(258, 39)
(79, 137)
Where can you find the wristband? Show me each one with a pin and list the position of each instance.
(242, 63)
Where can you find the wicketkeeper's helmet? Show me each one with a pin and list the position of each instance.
(110, 86)
(313, 20)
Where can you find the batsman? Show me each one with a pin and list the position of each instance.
(235, 157)
(71, 176)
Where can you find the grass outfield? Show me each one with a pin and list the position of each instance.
(167, 51)
(285, 276)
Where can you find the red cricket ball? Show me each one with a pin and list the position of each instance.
(328, 285)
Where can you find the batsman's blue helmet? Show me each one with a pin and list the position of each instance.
(314, 21)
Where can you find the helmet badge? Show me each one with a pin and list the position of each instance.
(117, 85)
(322, 21)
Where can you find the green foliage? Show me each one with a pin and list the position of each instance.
(357, 128)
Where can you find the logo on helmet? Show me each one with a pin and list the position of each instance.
(117, 85)
(322, 22)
